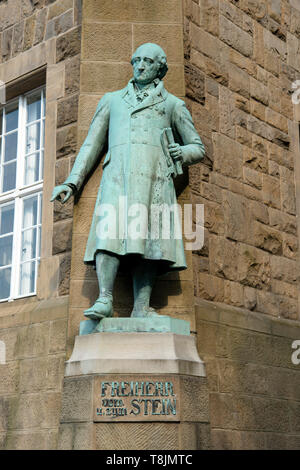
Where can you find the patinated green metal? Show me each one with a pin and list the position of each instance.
(139, 168)
(159, 324)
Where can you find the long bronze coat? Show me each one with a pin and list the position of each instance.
(135, 168)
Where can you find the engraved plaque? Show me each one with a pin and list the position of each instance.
(136, 399)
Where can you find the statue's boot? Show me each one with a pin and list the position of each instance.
(106, 267)
(144, 276)
(103, 307)
(144, 312)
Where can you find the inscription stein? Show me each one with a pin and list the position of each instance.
(136, 400)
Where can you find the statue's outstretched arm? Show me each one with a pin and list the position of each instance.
(89, 152)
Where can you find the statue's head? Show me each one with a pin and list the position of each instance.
(149, 61)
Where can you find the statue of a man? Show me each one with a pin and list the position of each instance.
(131, 121)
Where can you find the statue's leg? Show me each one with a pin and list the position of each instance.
(106, 267)
(144, 276)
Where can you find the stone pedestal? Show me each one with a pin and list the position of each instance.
(135, 353)
(142, 391)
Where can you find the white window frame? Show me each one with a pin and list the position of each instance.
(22, 191)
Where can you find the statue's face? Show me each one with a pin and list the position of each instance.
(146, 65)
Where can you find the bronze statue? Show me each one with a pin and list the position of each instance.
(150, 135)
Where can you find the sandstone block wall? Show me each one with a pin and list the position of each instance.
(241, 59)
(254, 386)
(36, 34)
(31, 379)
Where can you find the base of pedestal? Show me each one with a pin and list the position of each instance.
(135, 353)
(134, 412)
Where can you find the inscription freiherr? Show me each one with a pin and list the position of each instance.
(136, 400)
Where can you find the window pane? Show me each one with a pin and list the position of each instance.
(7, 219)
(30, 212)
(43, 134)
(5, 283)
(9, 176)
(27, 278)
(10, 148)
(6, 250)
(44, 103)
(32, 164)
(12, 117)
(39, 241)
(1, 122)
(42, 165)
(41, 209)
(33, 138)
(28, 244)
(33, 108)
(28, 159)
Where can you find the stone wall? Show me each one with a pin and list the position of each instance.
(34, 333)
(241, 59)
(35, 35)
(254, 385)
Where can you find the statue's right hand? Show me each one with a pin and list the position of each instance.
(59, 190)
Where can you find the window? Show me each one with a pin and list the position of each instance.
(22, 128)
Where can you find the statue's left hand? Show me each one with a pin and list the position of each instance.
(175, 152)
(62, 189)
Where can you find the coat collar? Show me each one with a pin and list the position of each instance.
(156, 96)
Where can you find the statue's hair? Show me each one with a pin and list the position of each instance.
(161, 56)
(163, 66)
